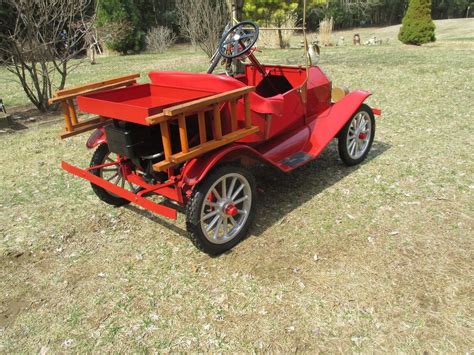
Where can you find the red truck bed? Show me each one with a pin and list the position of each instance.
(136, 103)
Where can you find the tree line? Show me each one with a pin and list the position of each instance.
(38, 38)
(125, 23)
(141, 15)
(356, 13)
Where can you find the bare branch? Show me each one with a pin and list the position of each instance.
(46, 36)
(202, 22)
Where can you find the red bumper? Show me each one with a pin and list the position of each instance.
(137, 199)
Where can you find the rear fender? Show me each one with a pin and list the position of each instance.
(97, 137)
(197, 169)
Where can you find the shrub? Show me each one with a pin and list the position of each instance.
(417, 26)
(119, 22)
(159, 39)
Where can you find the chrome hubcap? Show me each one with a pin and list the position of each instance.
(359, 134)
(226, 208)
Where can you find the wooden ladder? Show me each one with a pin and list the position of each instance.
(213, 104)
(66, 99)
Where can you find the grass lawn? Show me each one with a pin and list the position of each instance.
(371, 258)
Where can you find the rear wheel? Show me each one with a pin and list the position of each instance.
(112, 173)
(357, 136)
(221, 209)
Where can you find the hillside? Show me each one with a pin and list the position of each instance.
(446, 30)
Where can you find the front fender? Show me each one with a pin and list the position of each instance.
(197, 169)
(97, 137)
(328, 125)
(347, 106)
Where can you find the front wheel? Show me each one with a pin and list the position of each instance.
(221, 209)
(357, 136)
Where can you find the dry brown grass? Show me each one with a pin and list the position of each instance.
(370, 259)
(325, 31)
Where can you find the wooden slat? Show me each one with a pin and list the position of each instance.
(72, 112)
(233, 115)
(90, 91)
(95, 85)
(67, 118)
(196, 105)
(204, 148)
(161, 117)
(84, 128)
(216, 119)
(165, 136)
(183, 133)
(92, 120)
(248, 119)
(202, 127)
(163, 165)
(158, 118)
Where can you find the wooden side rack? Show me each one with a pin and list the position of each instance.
(66, 98)
(212, 105)
(198, 108)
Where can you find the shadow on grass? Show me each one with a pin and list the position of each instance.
(284, 192)
(160, 220)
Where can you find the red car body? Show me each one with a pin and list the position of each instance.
(295, 124)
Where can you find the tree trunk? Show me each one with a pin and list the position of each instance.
(280, 39)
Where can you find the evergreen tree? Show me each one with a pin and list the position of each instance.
(270, 12)
(121, 21)
(417, 25)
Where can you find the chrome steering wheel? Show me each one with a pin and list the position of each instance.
(238, 40)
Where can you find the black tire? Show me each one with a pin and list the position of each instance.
(98, 158)
(345, 147)
(195, 207)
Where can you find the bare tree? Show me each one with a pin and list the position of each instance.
(202, 22)
(38, 49)
(159, 39)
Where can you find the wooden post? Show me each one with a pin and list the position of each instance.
(248, 121)
(233, 115)
(67, 118)
(202, 127)
(237, 9)
(165, 137)
(72, 112)
(183, 133)
(217, 122)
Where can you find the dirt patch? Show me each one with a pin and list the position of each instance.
(9, 311)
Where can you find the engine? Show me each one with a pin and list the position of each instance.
(141, 144)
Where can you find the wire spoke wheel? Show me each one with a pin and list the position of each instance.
(359, 135)
(221, 209)
(226, 208)
(356, 138)
(111, 173)
(114, 173)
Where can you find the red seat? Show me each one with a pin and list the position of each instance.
(216, 84)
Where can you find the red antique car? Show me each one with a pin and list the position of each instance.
(190, 137)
